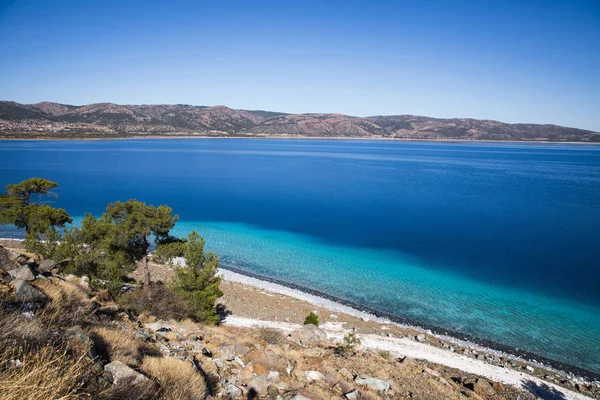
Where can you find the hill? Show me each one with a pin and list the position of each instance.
(108, 120)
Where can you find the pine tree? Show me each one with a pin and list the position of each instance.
(197, 281)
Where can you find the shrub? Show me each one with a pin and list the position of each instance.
(158, 300)
(118, 345)
(270, 335)
(312, 318)
(177, 379)
(348, 345)
(197, 282)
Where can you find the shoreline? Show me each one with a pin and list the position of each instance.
(381, 319)
(334, 304)
(291, 137)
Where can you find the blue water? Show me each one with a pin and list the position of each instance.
(499, 241)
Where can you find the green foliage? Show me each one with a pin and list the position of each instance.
(169, 248)
(160, 301)
(22, 206)
(348, 345)
(197, 282)
(312, 318)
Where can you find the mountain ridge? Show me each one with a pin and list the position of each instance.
(109, 120)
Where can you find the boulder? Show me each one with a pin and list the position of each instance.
(483, 388)
(23, 273)
(46, 266)
(353, 395)
(300, 396)
(122, 374)
(420, 338)
(7, 260)
(498, 387)
(373, 383)
(314, 376)
(308, 335)
(24, 292)
(233, 392)
(260, 384)
(230, 351)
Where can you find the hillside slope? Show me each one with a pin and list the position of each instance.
(106, 120)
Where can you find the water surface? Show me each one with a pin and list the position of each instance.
(499, 241)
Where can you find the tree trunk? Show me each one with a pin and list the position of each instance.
(146, 269)
(146, 272)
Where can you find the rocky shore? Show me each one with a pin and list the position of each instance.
(262, 349)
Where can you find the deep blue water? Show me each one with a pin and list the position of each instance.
(499, 241)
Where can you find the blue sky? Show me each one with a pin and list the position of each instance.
(513, 61)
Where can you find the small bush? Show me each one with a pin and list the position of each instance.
(158, 300)
(177, 379)
(270, 335)
(348, 345)
(312, 318)
(118, 345)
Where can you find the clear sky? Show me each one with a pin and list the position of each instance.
(513, 61)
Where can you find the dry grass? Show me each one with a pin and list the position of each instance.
(177, 379)
(269, 335)
(69, 305)
(50, 373)
(118, 345)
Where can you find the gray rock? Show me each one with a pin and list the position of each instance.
(122, 374)
(353, 395)
(420, 338)
(24, 273)
(314, 376)
(300, 397)
(227, 352)
(233, 392)
(219, 363)
(308, 335)
(7, 260)
(46, 266)
(241, 350)
(373, 383)
(260, 384)
(24, 292)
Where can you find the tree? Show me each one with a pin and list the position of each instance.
(23, 206)
(197, 281)
(136, 222)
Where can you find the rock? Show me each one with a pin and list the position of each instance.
(84, 282)
(431, 371)
(46, 266)
(332, 317)
(7, 260)
(219, 363)
(24, 292)
(122, 374)
(273, 376)
(16, 364)
(498, 387)
(308, 335)
(155, 326)
(24, 273)
(300, 396)
(353, 395)
(260, 369)
(260, 384)
(313, 376)
(483, 388)
(529, 368)
(233, 392)
(373, 383)
(206, 352)
(241, 350)
(420, 338)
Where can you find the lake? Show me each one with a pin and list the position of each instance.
(494, 241)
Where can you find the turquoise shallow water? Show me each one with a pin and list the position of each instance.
(495, 241)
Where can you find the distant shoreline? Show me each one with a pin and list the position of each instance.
(287, 137)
